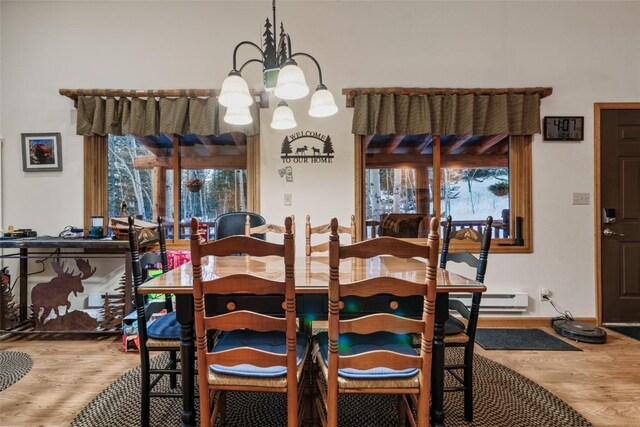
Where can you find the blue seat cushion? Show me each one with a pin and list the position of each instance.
(165, 327)
(273, 342)
(453, 326)
(350, 344)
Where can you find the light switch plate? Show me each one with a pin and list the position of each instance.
(287, 199)
(581, 198)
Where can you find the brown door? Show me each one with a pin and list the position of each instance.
(620, 221)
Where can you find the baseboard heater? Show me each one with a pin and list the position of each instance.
(494, 302)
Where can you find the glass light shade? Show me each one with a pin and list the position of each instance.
(238, 116)
(291, 83)
(235, 92)
(283, 117)
(322, 104)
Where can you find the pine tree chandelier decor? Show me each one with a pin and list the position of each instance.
(281, 75)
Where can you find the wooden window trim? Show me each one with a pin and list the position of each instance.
(520, 175)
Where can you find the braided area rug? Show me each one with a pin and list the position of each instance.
(503, 398)
(13, 366)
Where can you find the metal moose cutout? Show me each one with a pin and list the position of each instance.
(55, 293)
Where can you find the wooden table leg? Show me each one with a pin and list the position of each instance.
(184, 315)
(437, 366)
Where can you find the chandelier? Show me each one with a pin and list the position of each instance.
(281, 75)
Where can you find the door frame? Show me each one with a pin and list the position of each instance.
(597, 109)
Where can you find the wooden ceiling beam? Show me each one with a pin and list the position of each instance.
(487, 144)
(426, 160)
(240, 140)
(151, 146)
(426, 141)
(397, 139)
(452, 147)
(210, 162)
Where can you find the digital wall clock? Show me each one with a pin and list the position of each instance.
(563, 128)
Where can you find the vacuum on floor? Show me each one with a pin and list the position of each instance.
(578, 331)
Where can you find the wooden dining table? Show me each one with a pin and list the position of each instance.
(312, 279)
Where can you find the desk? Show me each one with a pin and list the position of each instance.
(32, 247)
(311, 276)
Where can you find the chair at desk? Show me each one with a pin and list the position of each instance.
(256, 352)
(260, 231)
(460, 334)
(162, 335)
(324, 229)
(373, 354)
(233, 223)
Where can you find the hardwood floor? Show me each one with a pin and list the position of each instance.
(602, 382)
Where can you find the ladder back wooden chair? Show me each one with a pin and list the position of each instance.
(462, 334)
(325, 229)
(373, 354)
(161, 335)
(255, 352)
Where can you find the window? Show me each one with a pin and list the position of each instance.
(176, 177)
(466, 176)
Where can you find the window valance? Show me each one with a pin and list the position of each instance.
(154, 113)
(446, 111)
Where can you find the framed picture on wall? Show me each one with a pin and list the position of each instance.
(41, 152)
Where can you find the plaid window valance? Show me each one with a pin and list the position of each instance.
(446, 113)
(144, 116)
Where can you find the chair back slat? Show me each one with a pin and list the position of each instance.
(267, 228)
(228, 285)
(248, 355)
(243, 319)
(381, 322)
(383, 285)
(371, 360)
(384, 246)
(250, 245)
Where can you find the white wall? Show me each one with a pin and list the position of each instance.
(586, 51)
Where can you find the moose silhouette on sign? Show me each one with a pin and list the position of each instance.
(302, 150)
(55, 293)
(315, 150)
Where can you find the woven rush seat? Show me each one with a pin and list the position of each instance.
(456, 339)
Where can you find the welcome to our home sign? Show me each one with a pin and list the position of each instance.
(307, 147)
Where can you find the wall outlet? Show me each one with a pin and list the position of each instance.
(287, 199)
(581, 198)
(544, 294)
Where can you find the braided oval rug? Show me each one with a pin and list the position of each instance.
(503, 398)
(13, 366)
